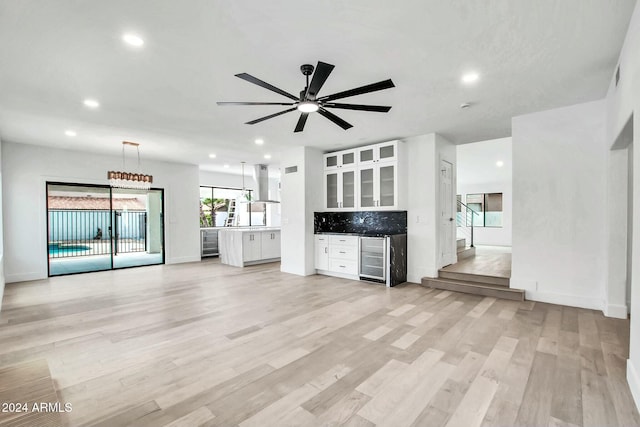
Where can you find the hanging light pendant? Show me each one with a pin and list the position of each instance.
(136, 181)
(245, 196)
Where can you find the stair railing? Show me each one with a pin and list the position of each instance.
(468, 215)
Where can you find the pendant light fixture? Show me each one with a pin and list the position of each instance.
(136, 181)
(245, 195)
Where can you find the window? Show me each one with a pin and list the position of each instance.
(475, 202)
(489, 209)
(228, 207)
(493, 210)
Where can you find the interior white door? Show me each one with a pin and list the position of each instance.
(447, 211)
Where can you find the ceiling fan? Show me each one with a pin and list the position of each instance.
(308, 102)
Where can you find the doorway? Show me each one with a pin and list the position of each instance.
(94, 228)
(447, 223)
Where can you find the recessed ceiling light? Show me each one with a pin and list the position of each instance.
(267, 156)
(259, 141)
(212, 156)
(226, 166)
(470, 78)
(133, 40)
(91, 103)
(70, 132)
(499, 163)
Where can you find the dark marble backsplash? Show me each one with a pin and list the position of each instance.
(361, 222)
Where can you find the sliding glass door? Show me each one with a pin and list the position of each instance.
(94, 228)
(138, 229)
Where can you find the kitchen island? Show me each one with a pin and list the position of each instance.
(242, 246)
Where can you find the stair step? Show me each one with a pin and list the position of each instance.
(495, 291)
(476, 278)
(466, 253)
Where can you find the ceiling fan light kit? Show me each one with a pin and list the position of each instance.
(308, 101)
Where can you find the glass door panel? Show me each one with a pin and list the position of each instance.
(349, 189)
(366, 188)
(331, 182)
(387, 186)
(138, 235)
(78, 228)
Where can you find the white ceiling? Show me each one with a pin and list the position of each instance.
(476, 162)
(531, 56)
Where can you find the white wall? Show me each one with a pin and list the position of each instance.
(615, 301)
(230, 180)
(424, 153)
(559, 213)
(25, 170)
(623, 101)
(1, 235)
(477, 174)
(301, 197)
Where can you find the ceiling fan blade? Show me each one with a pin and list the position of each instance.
(385, 84)
(377, 108)
(319, 77)
(256, 81)
(301, 122)
(255, 103)
(253, 122)
(335, 119)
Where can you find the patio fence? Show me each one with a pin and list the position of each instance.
(75, 233)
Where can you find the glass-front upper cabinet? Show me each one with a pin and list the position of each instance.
(340, 189)
(378, 186)
(339, 159)
(382, 152)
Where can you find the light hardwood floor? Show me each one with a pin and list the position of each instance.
(208, 344)
(488, 260)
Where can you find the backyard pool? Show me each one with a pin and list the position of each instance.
(62, 249)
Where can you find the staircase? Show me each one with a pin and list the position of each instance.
(462, 249)
(471, 283)
(489, 286)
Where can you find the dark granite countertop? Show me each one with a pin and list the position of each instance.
(365, 234)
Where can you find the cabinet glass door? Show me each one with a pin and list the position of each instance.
(365, 155)
(386, 152)
(331, 161)
(349, 158)
(331, 184)
(366, 188)
(387, 185)
(349, 189)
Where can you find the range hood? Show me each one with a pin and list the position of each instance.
(261, 175)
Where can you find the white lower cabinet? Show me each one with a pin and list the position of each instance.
(270, 244)
(337, 254)
(322, 252)
(343, 266)
(251, 246)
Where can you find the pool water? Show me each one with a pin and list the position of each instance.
(54, 248)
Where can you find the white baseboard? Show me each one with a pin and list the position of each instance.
(634, 382)
(24, 277)
(183, 259)
(563, 299)
(618, 311)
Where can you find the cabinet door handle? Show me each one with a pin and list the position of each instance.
(325, 249)
(342, 266)
(342, 252)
